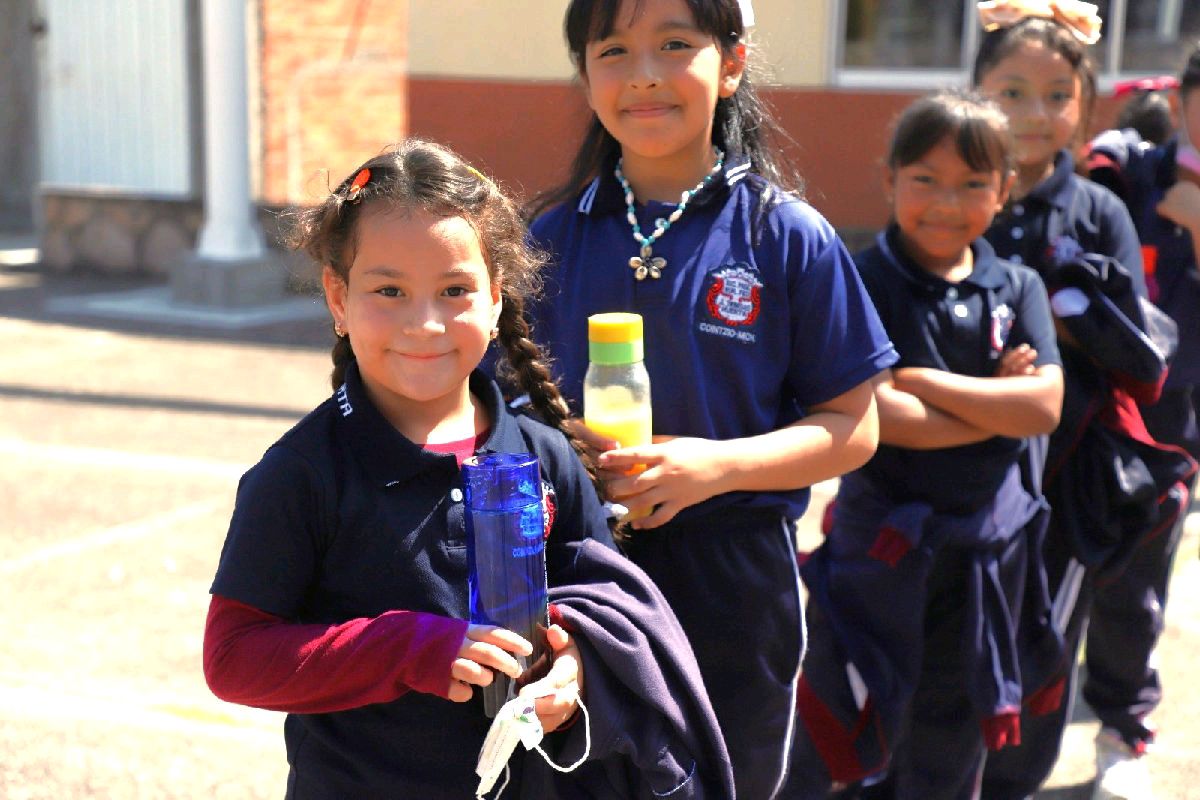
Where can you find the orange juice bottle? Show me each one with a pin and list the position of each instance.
(616, 388)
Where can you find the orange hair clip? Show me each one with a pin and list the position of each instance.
(356, 185)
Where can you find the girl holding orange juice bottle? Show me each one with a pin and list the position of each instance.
(760, 342)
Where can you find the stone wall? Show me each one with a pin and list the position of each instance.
(143, 236)
(120, 235)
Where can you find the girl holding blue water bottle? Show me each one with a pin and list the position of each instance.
(341, 596)
(760, 342)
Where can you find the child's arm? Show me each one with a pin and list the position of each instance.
(838, 436)
(255, 658)
(1024, 396)
(906, 420)
(1021, 405)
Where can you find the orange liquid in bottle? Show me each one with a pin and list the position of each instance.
(613, 412)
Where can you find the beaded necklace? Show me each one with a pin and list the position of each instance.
(646, 263)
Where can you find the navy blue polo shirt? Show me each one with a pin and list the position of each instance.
(757, 316)
(1067, 211)
(963, 328)
(1144, 174)
(344, 517)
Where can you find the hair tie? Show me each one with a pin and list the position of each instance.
(1080, 18)
(479, 175)
(356, 185)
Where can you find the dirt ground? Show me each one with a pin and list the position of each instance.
(120, 449)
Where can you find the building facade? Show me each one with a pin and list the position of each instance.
(117, 155)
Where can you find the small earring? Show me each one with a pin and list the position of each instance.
(338, 330)
(494, 333)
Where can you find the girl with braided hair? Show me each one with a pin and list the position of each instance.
(341, 594)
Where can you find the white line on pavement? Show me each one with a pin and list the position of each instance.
(102, 538)
(121, 459)
(251, 726)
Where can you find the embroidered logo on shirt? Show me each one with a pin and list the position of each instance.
(1002, 324)
(549, 508)
(343, 401)
(734, 296)
(733, 299)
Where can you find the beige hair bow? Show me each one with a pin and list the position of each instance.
(1079, 18)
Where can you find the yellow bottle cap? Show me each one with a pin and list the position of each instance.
(617, 327)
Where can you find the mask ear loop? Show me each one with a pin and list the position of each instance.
(587, 751)
(587, 744)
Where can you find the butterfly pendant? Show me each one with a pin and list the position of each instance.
(646, 265)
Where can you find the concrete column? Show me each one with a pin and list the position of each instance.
(230, 230)
(231, 265)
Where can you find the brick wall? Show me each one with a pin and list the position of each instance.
(333, 90)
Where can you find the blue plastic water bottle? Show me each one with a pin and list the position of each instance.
(506, 555)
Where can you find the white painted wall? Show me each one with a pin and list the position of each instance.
(794, 41)
(488, 39)
(522, 40)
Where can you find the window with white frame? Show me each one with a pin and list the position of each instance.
(1159, 34)
(923, 42)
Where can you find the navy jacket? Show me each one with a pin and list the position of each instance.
(1106, 478)
(1140, 174)
(867, 581)
(654, 733)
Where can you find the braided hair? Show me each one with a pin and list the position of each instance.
(421, 175)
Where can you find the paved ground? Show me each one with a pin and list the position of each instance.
(120, 447)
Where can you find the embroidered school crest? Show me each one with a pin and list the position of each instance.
(735, 295)
(549, 507)
(1002, 324)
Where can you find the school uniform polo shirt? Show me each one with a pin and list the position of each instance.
(963, 328)
(344, 518)
(759, 314)
(1064, 215)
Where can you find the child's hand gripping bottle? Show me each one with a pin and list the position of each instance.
(616, 388)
